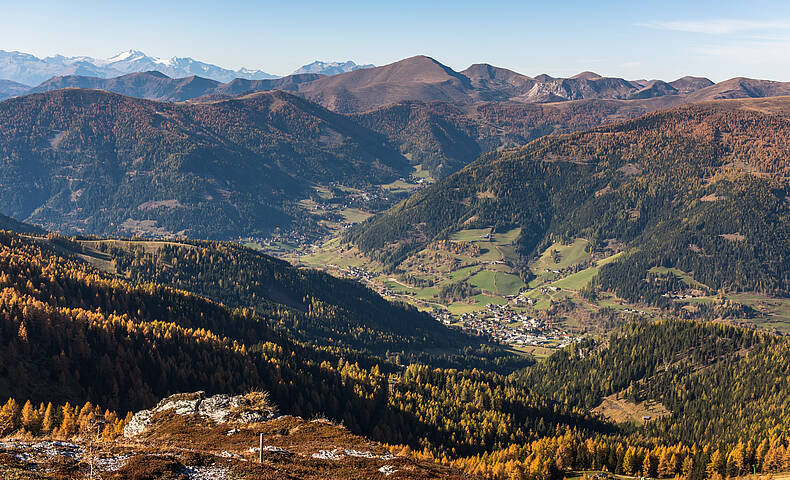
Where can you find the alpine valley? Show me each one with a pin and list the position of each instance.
(402, 271)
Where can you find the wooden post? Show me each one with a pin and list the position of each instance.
(260, 450)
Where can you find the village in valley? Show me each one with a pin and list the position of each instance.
(474, 280)
(508, 326)
(493, 300)
(508, 323)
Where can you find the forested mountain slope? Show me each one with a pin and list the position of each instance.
(716, 380)
(700, 187)
(8, 223)
(310, 306)
(722, 390)
(56, 301)
(88, 161)
(83, 160)
(444, 137)
(100, 163)
(71, 333)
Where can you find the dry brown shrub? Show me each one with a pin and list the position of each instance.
(144, 467)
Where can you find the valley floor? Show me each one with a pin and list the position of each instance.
(473, 282)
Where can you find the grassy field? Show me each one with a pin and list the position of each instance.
(556, 258)
(499, 283)
(463, 273)
(620, 410)
(483, 280)
(471, 235)
(685, 277)
(507, 238)
(419, 172)
(773, 313)
(536, 351)
(399, 186)
(508, 284)
(355, 215)
(475, 303)
(336, 254)
(492, 272)
(572, 254)
(578, 280)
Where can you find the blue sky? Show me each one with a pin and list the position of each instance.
(633, 39)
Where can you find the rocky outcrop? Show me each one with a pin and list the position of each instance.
(222, 408)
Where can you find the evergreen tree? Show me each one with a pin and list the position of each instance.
(48, 423)
(9, 417)
(30, 419)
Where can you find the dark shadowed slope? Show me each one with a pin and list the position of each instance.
(12, 89)
(155, 85)
(85, 160)
(8, 223)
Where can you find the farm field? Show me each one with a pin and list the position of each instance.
(551, 287)
(484, 263)
(772, 312)
(478, 258)
(558, 257)
(477, 268)
(685, 277)
(496, 282)
(621, 410)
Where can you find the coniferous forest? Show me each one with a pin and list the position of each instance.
(78, 340)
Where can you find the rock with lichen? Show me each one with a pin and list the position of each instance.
(222, 408)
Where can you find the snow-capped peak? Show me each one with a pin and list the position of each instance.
(167, 62)
(330, 68)
(31, 70)
(128, 55)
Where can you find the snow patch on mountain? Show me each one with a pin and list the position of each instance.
(330, 68)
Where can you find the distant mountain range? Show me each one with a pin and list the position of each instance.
(424, 79)
(331, 68)
(155, 85)
(31, 70)
(415, 79)
(368, 126)
(10, 88)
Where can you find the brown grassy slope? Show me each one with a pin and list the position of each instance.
(417, 78)
(181, 445)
